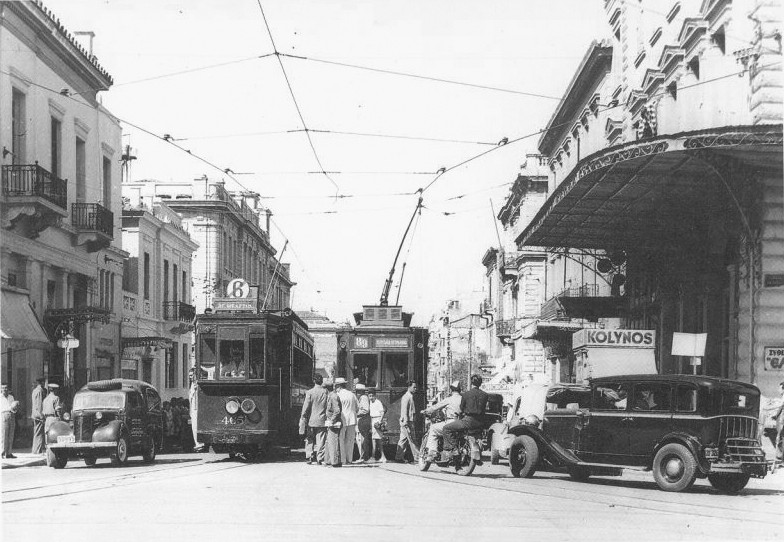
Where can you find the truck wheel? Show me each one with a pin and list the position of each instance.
(729, 483)
(523, 456)
(495, 457)
(148, 456)
(120, 453)
(674, 467)
(89, 461)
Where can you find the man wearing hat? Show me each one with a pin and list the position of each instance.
(364, 425)
(348, 418)
(8, 409)
(332, 458)
(38, 415)
(451, 407)
(52, 406)
(312, 418)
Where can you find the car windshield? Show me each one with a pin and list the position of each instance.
(101, 400)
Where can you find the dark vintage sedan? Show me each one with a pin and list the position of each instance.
(681, 427)
(109, 418)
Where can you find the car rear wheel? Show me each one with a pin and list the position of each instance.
(89, 461)
(523, 456)
(674, 468)
(56, 460)
(148, 456)
(120, 453)
(729, 483)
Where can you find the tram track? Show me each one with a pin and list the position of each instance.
(110, 482)
(589, 494)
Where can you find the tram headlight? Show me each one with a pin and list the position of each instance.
(248, 406)
(232, 406)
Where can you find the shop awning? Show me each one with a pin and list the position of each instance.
(544, 330)
(20, 327)
(656, 191)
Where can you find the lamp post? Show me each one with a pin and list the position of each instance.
(67, 342)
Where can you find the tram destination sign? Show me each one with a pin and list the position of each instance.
(234, 304)
(361, 342)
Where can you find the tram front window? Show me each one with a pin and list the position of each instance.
(396, 370)
(256, 357)
(207, 359)
(232, 359)
(366, 368)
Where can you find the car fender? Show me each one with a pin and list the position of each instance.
(690, 442)
(554, 452)
(58, 429)
(108, 433)
(498, 431)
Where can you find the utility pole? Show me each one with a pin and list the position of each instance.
(470, 351)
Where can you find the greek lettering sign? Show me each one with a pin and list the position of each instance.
(392, 342)
(627, 338)
(774, 358)
(220, 304)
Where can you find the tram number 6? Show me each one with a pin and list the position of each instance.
(238, 288)
(229, 420)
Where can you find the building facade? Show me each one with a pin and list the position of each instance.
(62, 257)
(157, 307)
(232, 242)
(672, 169)
(325, 340)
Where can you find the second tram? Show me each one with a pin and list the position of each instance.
(383, 351)
(252, 371)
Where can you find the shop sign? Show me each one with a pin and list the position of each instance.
(774, 358)
(628, 338)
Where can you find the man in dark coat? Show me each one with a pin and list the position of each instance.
(37, 414)
(314, 414)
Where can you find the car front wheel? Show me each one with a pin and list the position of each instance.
(674, 467)
(523, 456)
(729, 483)
(120, 454)
(55, 460)
(148, 456)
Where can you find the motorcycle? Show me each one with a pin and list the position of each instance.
(469, 446)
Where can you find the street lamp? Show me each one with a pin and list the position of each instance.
(68, 342)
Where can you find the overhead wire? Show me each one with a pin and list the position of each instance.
(294, 98)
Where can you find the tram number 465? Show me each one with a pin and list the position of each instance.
(229, 420)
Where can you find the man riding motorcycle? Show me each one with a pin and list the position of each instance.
(451, 407)
(473, 405)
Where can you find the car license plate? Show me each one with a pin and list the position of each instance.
(65, 439)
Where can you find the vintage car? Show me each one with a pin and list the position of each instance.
(109, 418)
(681, 427)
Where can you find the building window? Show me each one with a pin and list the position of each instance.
(111, 291)
(171, 365)
(185, 365)
(184, 287)
(18, 126)
(165, 281)
(146, 275)
(175, 274)
(51, 291)
(81, 171)
(107, 182)
(56, 148)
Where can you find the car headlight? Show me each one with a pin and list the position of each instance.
(98, 415)
(248, 406)
(67, 416)
(232, 406)
(532, 420)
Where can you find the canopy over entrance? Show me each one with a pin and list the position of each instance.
(658, 191)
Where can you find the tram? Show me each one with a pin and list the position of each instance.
(383, 351)
(252, 371)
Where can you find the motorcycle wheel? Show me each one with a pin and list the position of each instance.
(424, 452)
(465, 464)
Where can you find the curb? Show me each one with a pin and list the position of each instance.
(15, 464)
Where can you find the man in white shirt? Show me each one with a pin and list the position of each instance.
(8, 409)
(451, 407)
(348, 417)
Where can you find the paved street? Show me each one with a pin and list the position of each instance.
(209, 497)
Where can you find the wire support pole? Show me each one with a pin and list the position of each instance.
(388, 284)
(272, 278)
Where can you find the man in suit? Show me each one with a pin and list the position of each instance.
(348, 417)
(332, 457)
(314, 414)
(364, 426)
(37, 415)
(407, 414)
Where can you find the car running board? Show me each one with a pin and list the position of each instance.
(608, 465)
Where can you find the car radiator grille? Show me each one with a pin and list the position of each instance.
(737, 426)
(83, 428)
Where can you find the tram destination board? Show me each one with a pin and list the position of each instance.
(234, 304)
(362, 342)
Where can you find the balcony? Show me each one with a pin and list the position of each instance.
(177, 310)
(94, 225)
(504, 328)
(587, 301)
(34, 199)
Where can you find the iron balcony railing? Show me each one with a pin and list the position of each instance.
(33, 180)
(92, 217)
(586, 290)
(177, 310)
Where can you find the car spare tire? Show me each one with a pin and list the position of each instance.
(105, 385)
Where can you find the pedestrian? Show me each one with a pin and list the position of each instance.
(377, 412)
(451, 409)
(168, 421)
(37, 414)
(364, 424)
(314, 414)
(348, 417)
(177, 418)
(52, 407)
(777, 438)
(193, 405)
(8, 409)
(407, 413)
(332, 457)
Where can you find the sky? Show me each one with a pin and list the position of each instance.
(202, 72)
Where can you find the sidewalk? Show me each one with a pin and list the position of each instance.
(23, 459)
